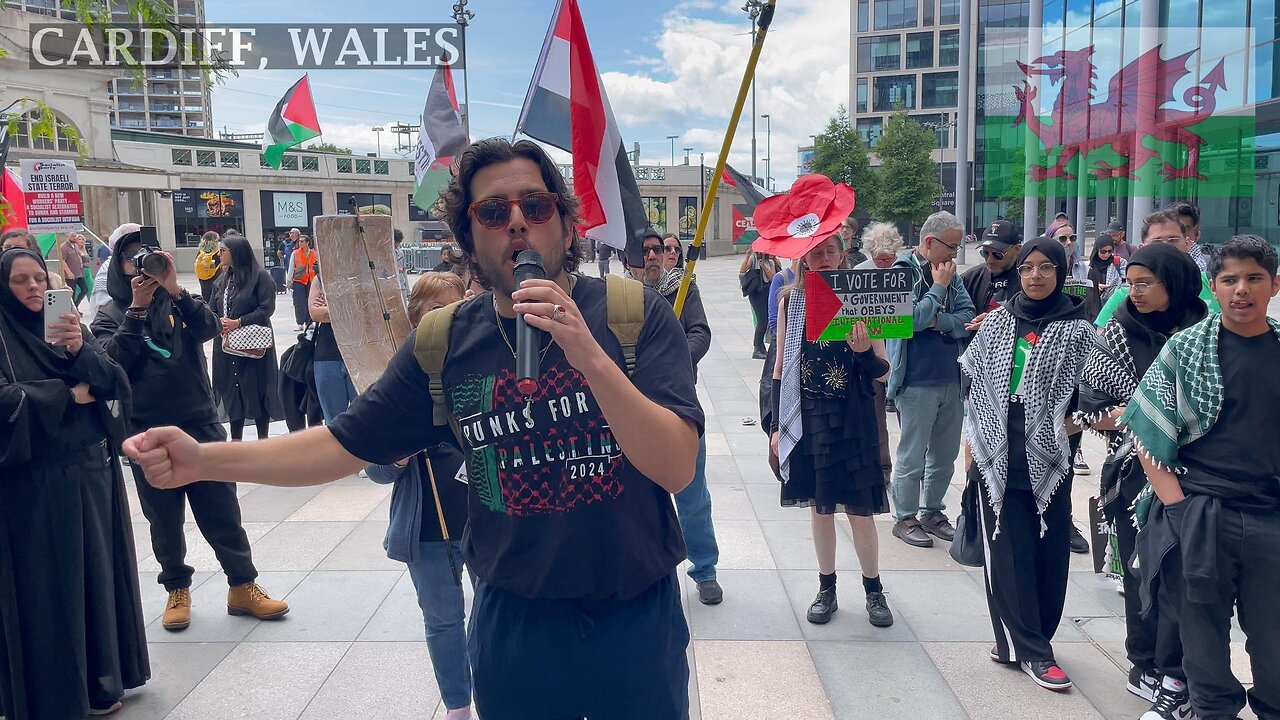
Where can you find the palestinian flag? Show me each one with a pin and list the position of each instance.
(750, 191)
(293, 122)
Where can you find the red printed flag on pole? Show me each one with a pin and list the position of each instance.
(293, 122)
(567, 107)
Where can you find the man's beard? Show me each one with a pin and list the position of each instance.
(652, 274)
(494, 278)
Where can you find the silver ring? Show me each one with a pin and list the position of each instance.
(558, 312)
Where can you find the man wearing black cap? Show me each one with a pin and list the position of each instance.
(1117, 232)
(996, 280)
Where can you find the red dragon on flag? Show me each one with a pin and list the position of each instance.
(1135, 109)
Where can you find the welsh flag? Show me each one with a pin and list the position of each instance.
(293, 122)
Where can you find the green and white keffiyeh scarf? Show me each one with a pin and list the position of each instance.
(1178, 400)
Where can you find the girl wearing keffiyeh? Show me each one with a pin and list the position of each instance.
(1164, 298)
(1024, 365)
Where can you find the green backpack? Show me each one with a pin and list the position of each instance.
(624, 300)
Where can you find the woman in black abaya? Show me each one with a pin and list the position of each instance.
(71, 630)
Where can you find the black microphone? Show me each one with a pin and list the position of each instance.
(528, 338)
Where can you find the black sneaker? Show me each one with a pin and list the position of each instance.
(1047, 674)
(1079, 545)
(1143, 683)
(759, 355)
(823, 606)
(1081, 467)
(1172, 702)
(710, 592)
(878, 611)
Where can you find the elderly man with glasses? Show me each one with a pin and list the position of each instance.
(925, 383)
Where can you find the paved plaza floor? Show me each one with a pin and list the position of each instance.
(352, 645)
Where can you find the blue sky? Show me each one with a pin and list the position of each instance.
(671, 68)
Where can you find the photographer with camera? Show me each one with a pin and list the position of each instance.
(156, 331)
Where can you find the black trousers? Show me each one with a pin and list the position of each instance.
(759, 307)
(1153, 642)
(206, 289)
(79, 289)
(569, 659)
(1248, 564)
(217, 514)
(1026, 573)
(882, 420)
(301, 311)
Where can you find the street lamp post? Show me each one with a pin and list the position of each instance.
(672, 138)
(753, 8)
(768, 150)
(686, 154)
(378, 131)
(463, 17)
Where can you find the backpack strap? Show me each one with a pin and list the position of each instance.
(624, 300)
(430, 347)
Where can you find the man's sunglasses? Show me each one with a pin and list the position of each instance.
(495, 213)
(997, 254)
(657, 250)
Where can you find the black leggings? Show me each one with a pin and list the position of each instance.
(79, 289)
(237, 428)
(760, 307)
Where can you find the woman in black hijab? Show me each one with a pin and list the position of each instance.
(1024, 364)
(1164, 290)
(70, 613)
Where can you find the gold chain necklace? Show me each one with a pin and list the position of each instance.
(573, 280)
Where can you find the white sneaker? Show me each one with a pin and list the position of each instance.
(1143, 683)
(458, 714)
(1172, 702)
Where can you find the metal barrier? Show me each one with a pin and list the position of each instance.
(422, 258)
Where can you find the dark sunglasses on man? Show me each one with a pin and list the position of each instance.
(997, 254)
(495, 213)
(657, 250)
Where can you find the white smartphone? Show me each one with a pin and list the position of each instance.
(56, 304)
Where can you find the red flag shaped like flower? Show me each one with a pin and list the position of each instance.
(791, 224)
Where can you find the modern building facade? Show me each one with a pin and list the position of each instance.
(169, 100)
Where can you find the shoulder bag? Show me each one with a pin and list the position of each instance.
(966, 548)
(251, 341)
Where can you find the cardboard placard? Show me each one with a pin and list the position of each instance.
(837, 299)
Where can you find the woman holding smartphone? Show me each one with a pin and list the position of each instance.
(70, 609)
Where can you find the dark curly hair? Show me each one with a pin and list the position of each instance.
(456, 196)
(1244, 247)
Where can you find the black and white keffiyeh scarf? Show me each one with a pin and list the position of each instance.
(1049, 381)
(790, 425)
(1107, 382)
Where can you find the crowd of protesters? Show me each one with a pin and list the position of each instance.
(1158, 347)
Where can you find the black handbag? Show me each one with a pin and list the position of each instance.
(752, 281)
(966, 548)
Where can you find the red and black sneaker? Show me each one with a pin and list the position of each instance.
(1047, 674)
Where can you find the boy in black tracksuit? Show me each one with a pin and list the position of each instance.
(1205, 416)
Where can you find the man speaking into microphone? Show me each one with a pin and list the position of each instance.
(571, 531)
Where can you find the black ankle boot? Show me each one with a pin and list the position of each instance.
(823, 606)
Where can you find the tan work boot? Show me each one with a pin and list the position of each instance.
(177, 614)
(251, 599)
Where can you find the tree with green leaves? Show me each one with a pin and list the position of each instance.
(907, 176)
(328, 147)
(841, 155)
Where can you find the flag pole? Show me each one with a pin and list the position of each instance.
(708, 203)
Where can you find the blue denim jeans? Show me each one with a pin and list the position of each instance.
(334, 387)
(693, 504)
(927, 450)
(442, 612)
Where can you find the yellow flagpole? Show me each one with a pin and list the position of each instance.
(708, 203)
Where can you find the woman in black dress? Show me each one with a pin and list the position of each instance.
(827, 440)
(1024, 364)
(71, 631)
(245, 388)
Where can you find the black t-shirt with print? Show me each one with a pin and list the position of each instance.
(555, 510)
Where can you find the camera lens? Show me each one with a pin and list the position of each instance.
(154, 264)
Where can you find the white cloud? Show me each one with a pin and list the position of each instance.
(801, 77)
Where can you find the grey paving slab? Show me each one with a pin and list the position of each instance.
(199, 554)
(314, 616)
(399, 619)
(759, 681)
(742, 546)
(766, 499)
(722, 470)
(268, 681)
(1099, 680)
(791, 543)
(274, 504)
(177, 668)
(717, 444)
(362, 550)
(850, 621)
(385, 680)
(991, 691)
(352, 503)
(729, 501)
(883, 680)
(299, 545)
(755, 607)
(155, 598)
(755, 468)
(940, 606)
(209, 619)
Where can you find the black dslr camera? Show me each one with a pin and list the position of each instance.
(149, 260)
